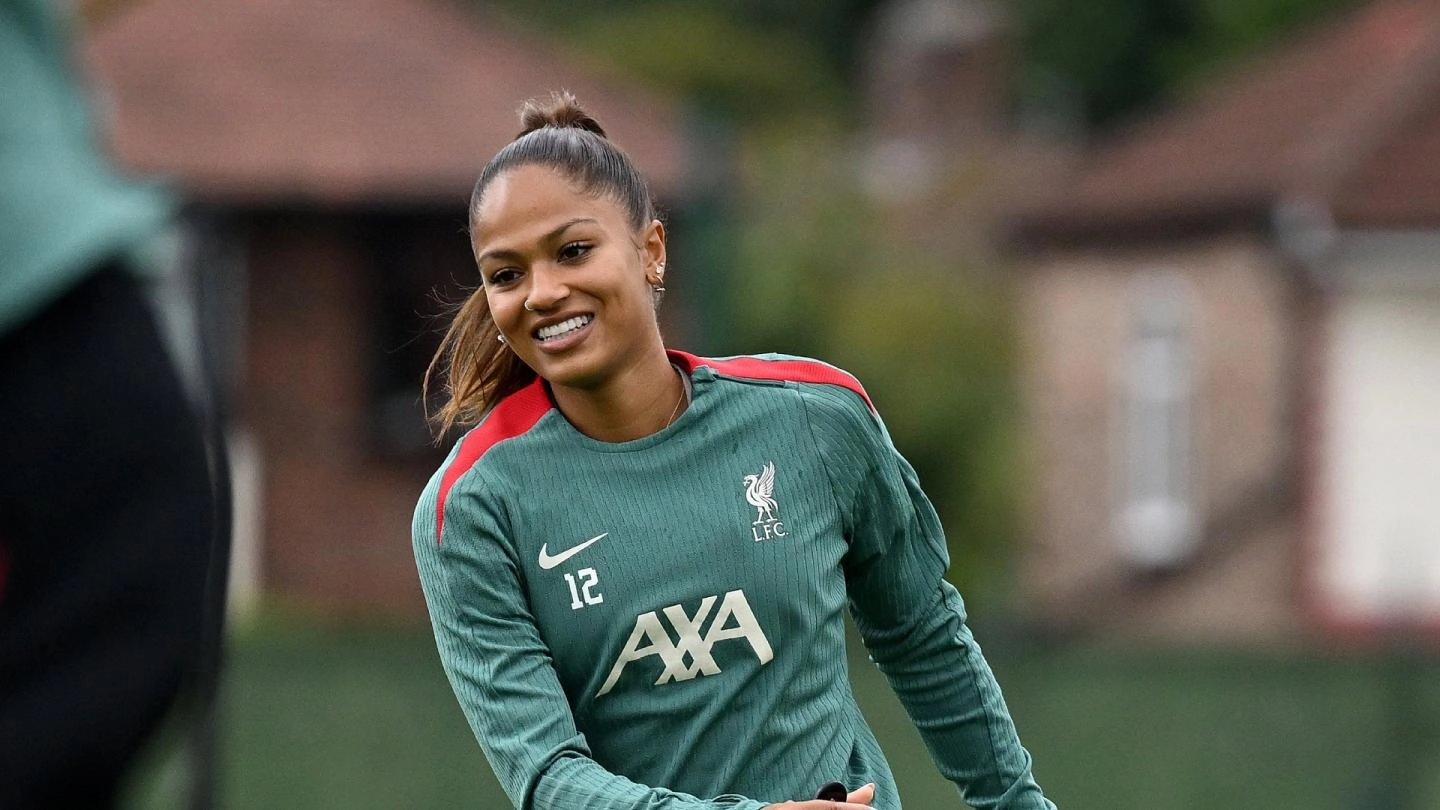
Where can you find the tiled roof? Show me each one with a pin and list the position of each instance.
(344, 101)
(1347, 115)
(1399, 186)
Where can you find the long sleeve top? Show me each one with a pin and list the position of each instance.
(659, 624)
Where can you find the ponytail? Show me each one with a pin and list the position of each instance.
(479, 369)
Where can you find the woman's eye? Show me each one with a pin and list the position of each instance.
(573, 251)
(503, 276)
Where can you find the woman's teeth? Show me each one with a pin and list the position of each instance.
(564, 327)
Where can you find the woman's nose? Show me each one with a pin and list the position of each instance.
(547, 289)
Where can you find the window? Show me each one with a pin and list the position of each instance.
(421, 266)
(1156, 520)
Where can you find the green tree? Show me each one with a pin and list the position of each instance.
(1117, 56)
(756, 62)
(816, 272)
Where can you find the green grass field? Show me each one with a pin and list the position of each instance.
(363, 718)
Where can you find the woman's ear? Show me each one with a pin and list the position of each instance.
(652, 251)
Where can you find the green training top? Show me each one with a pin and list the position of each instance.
(641, 624)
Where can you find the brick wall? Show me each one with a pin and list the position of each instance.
(336, 516)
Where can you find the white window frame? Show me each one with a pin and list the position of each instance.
(1157, 471)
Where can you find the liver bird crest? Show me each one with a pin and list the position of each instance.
(760, 491)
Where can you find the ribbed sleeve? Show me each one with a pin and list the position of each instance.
(911, 620)
(502, 671)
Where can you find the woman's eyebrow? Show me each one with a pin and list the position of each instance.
(508, 253)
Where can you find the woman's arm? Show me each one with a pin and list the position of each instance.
(502, 673)
(911, 619)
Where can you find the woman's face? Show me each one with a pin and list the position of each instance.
(584, 271)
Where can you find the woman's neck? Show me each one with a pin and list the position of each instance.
(641, 400)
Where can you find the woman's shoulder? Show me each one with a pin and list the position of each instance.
(512, 418)
(473, 469)
(806, 374)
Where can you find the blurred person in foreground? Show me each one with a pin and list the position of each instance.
(108, 526)
(638, 561)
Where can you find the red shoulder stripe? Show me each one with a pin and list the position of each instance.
(755, 368)
(514, 416)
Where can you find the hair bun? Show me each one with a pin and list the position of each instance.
(561, 111)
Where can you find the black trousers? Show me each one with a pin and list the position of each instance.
(108, 537)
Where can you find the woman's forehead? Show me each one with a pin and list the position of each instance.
(532, 200)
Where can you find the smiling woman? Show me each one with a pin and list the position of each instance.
(569, 281)
(561, 210)
(637, 561)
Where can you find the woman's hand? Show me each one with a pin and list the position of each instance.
(857, 800)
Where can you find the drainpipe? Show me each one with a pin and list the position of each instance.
(1304, 231)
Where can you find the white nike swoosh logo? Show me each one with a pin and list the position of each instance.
(547, 562)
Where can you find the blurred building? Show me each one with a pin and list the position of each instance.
(946, 154)
(1231, 325)
(327, 151)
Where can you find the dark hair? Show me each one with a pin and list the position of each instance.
(562, 136)
(558, 134)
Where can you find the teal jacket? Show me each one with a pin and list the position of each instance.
(63, 209)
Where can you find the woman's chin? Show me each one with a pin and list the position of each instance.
(571, 372)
